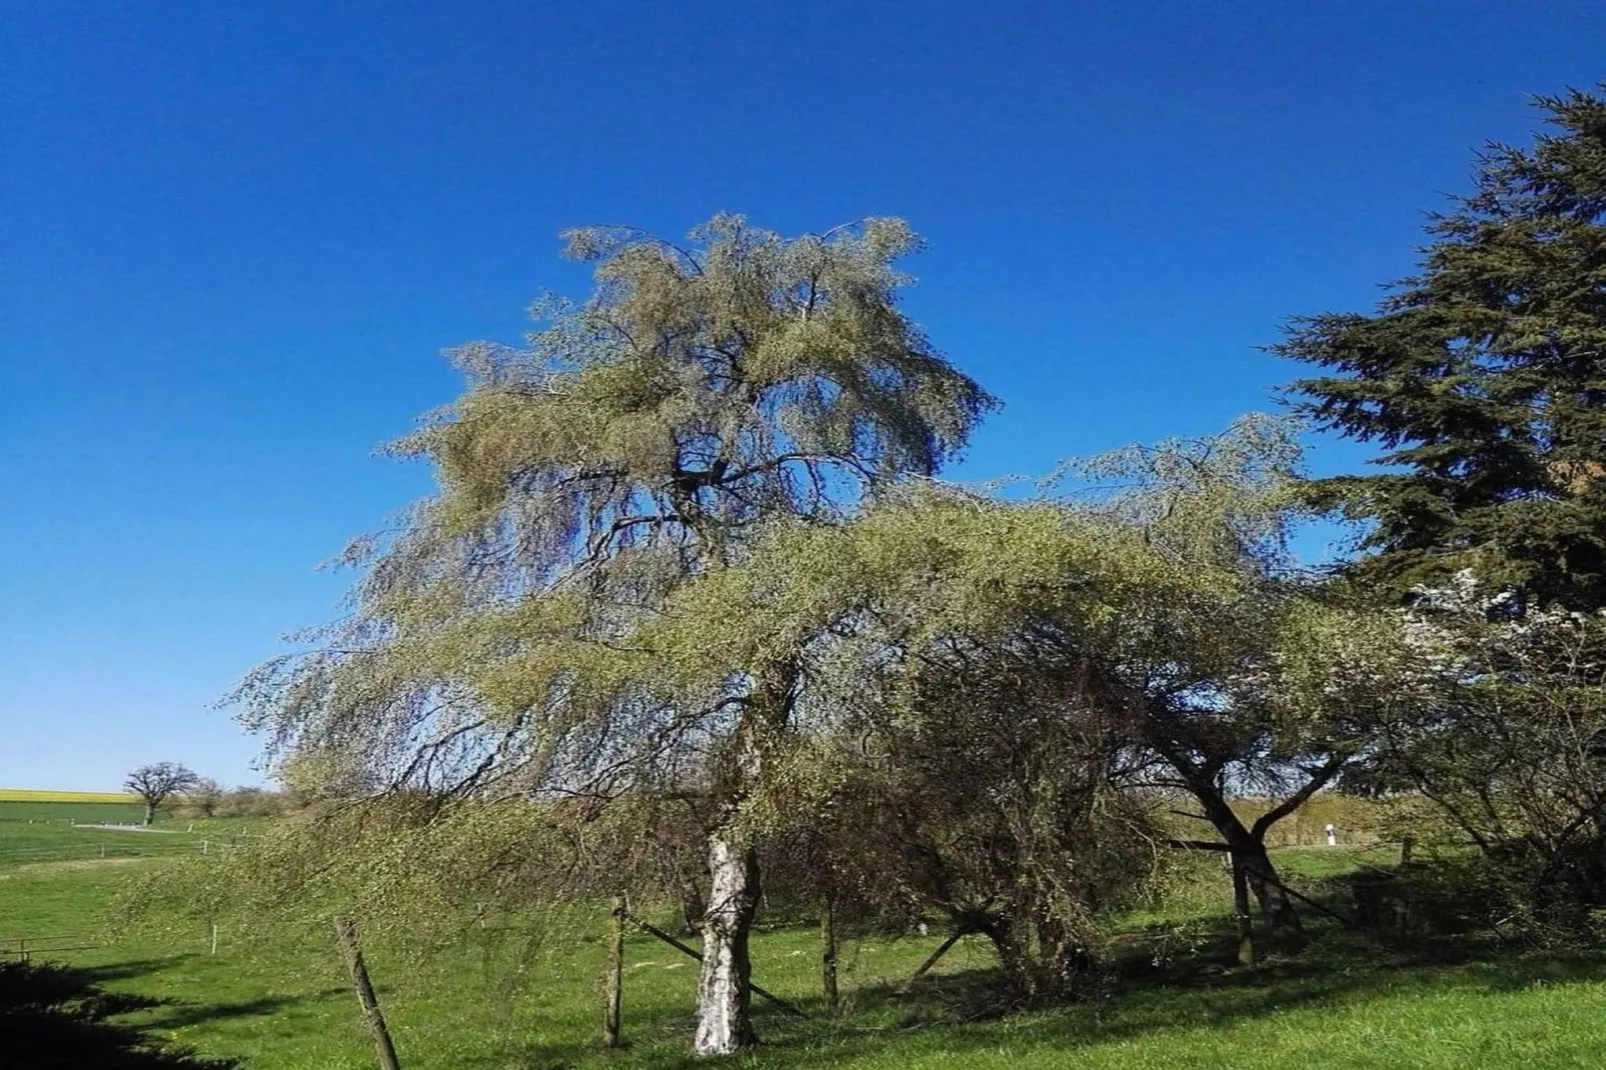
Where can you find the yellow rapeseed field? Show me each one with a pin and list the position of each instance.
(25, 795)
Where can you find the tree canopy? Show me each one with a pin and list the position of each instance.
(644, 437)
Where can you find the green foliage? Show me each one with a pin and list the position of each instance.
(1484, 377)
(643, 437)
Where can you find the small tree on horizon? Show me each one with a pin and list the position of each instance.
(155, 784)
(205, 795)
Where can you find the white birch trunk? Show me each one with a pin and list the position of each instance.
(723, 993)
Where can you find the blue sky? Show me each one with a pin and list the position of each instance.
(237, 237)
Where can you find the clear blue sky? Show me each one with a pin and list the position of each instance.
(238, 235)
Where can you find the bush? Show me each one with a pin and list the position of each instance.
(1552, 897)
(251, 802)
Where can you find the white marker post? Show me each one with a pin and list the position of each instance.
(1332, 835)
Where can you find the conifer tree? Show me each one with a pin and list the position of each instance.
(1483, 377)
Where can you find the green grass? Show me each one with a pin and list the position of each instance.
(282, 1003)
(45, 831)
(26, 810)
(1320, 862)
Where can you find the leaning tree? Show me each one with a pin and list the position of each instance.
(641, 439)
(1029, 672)
(1250, 679)
(964, 737)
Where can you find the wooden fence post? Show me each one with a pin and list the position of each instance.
(346, 934)
(828, 952)
(616, 971)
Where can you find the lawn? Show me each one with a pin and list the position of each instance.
(510, 1004)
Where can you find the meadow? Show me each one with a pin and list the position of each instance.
(531, 1001)
(34, 829)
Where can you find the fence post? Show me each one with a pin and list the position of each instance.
(828, 951)
(1407, 844)
(616, 969)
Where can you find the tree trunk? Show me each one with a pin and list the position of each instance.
(1061, 959)
(150, 813)
(692, 907)
(346, 934)
(1240, 908)
(724, 1025)
(1012, 957)
(1249, 853)
(1247, 843)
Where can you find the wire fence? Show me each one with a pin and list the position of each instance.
(98, 849)
(24, 948)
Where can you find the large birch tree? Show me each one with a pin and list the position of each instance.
(641, 439)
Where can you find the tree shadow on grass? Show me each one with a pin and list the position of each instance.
(176, 1016)
(963, 1011)
(122, 971)
(54, 1018)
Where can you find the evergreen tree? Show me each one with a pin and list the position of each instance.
(1483, 377)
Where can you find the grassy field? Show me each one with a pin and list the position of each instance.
(66, 811)
(36, 830)
(282, 1003)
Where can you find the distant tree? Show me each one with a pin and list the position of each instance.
(1484, 379)
(155, 784)
(205, 796)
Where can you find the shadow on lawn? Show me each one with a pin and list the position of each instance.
(959, 1012)
(54, 1018)
(122, 971)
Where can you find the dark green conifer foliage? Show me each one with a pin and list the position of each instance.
(1483, 377)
